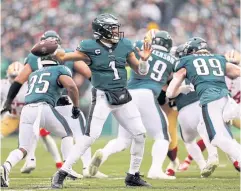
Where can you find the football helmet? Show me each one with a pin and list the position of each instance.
(107, 26)
(51, 35)
(162, 38)
(13, 70)
(180, 51)
(195, 44)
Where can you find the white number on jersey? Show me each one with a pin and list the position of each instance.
(158, 70)
(116, 74)
(32, 83)
(203, 70)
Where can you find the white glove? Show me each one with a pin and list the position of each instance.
(143, 67)
(231, 110)
(185, 89)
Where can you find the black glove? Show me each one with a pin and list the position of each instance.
(75, 112)
(7, 106)
(62, 101)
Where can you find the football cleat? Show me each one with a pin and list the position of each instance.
(99, 174)
(172, 167)
(236, 165)
(135, 180)
(58, 165)
(4, 176)
(209, 168)
(95, 162)
(184, 166)
(57, 180)
(153, 174)
(28, 166)
(74, 175)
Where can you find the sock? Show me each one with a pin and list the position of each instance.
(77, 151)
(52, 148)
(137, 151)
(13, 158)
(159, 153)
(86, 158)
(228, 146)
(115, 146)
(66, 146)
(172, 154)
(196, 154)
(31, 153)
(201, 145)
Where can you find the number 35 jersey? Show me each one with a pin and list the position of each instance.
(207, 73)
(107, 64)
(161, 66)
(43, 84)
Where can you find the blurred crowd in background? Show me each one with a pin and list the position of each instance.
(23, 22)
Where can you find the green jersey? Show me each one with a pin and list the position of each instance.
(161, 66)
(43, 84)
(207, 73)
(183, 100)
(107, 64)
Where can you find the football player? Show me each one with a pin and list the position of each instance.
(144, 91)
(45, 86)
(10, 120)
(207, 73)
(64, 106)
(106, 56)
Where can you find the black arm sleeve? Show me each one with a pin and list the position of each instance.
(162, 98)
(13, 91)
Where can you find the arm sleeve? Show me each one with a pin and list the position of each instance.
(129, 46)
(65, 71)
(82, 47)
(139, 45)
(179, 64)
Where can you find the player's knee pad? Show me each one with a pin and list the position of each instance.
(43, 132)
(138, 144)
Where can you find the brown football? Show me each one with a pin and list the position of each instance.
(44, 48)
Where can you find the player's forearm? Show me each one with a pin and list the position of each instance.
(74, 95)
(13, 91)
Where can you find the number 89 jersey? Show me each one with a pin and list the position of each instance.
(161, 66)
(43, 84)
(207, 73)
(107, 64)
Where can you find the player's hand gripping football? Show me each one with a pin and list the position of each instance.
(146, 52)
(6, 107)
(75, 112)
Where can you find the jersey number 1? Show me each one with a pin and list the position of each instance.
(33, 81)
(116, 74)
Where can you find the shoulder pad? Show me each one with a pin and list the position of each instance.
(86, 45)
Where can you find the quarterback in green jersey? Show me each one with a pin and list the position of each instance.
(207, 73)
(45, 87)
(144, 91)
(107, 55)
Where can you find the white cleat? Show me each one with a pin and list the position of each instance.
(95, 162)
(4, 176)
(28, 166)
(209, 168)
(99, 174)
(159, 175)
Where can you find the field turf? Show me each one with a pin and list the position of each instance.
(225, 178)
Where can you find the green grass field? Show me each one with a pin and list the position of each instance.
(225, 178)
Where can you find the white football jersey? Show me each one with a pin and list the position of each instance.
(234, 88)
(18, 102)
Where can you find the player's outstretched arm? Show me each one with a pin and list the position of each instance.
(62, 56)
(232, 71)
(71, 87)
(173, 88)
(15, 87)
(140, 66)
(82, 68)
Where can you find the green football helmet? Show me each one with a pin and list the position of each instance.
(162, 38)
(51, 34)
(103, 26)
(194, 44)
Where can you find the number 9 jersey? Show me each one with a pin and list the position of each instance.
(207, 73)
(43, 84)
(161, 66)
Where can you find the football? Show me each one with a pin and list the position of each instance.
(44, 48)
